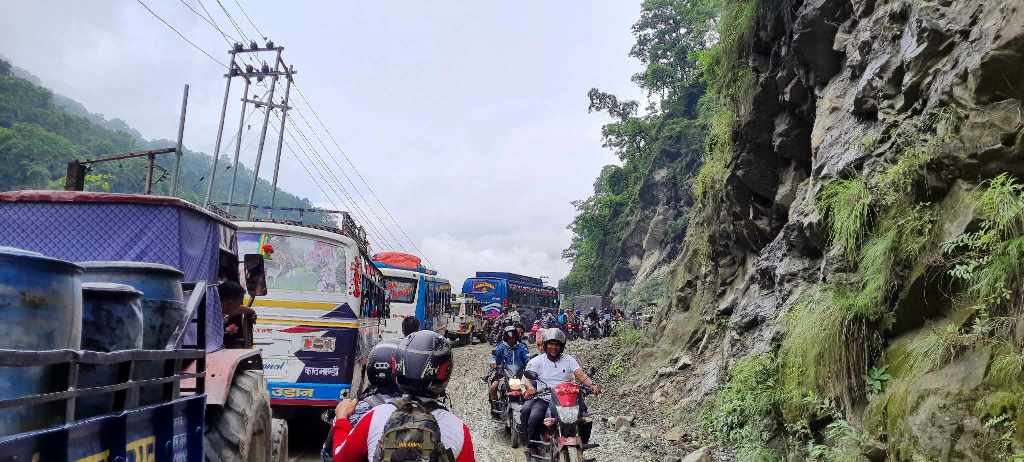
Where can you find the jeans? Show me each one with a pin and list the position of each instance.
(533, 413)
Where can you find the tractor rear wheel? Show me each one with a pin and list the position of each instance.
(241, 430)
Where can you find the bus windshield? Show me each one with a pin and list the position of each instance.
(299, 264)
(401, 290)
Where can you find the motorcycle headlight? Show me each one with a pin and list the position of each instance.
(568, 415)
(515, 384)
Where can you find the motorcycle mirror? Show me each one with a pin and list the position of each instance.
(591, 371)
(530, 375)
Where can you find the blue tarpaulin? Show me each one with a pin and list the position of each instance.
(79, 226)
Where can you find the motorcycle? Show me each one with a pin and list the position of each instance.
(593, 330)
(507, 409)
(560, 440)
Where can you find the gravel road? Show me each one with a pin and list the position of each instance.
(468, 401)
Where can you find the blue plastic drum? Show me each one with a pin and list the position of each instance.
(40, 309)
(163, 309)
(111, 321)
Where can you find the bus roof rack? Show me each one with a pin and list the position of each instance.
(343, 223)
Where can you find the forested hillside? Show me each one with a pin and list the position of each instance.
(40, 132)
(836, 267)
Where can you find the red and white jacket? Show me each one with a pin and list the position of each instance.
(359, 443)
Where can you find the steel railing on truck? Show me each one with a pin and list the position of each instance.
(168, 427)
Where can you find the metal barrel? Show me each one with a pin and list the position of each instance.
(111, 321)
(40, 309)
(163, 307)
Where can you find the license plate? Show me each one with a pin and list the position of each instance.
(318, 344)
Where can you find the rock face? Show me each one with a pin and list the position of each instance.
(835, 82)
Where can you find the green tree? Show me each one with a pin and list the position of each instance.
(31, 156)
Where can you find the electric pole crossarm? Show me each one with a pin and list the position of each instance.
(259, 103)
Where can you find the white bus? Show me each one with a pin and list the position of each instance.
(424, 296)
(324, 304)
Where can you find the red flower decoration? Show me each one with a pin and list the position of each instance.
(267, 249)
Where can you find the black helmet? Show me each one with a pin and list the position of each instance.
(380, 367)
(424, 364)
(511, 331)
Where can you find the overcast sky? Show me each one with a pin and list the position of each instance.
(467, 118)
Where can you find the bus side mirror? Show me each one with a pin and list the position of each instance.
(255, 275)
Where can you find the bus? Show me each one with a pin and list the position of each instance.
(497, 291)
(426, 296)
(324, 305)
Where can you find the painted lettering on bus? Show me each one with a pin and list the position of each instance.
(291, 393)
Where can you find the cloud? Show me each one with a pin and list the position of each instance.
(462, 258)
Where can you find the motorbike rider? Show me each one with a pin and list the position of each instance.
(553, 367)
(380, 373)
(562, 320)
(512, 354)
(398, 428)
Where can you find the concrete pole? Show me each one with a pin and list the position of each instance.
(220, 130)
(238, 144)
(280, 142)
(263, 138)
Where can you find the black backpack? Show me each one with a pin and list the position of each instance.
(412, 434)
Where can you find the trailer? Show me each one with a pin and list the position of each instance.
(204, 401)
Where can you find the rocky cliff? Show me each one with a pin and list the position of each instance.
(843, 286)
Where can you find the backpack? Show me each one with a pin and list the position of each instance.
(412, 434)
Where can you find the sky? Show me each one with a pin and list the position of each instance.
(467, 119)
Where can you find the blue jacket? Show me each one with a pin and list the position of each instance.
(514, 358)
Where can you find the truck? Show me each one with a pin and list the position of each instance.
(190, 399)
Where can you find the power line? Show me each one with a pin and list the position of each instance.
(372, 232)
(180, 34)
(233, 23)
(354, 186)
(261, 34)
(370, 226)
(374, 194)
(227, 38)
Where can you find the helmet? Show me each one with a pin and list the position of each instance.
(554, 334)
(380, 367)
(424, 364)
(511, 331)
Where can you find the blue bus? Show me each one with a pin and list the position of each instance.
(422, 295)
(496, 292)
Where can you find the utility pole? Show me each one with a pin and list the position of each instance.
(238, 143)
(279, 69)
(263, 137)
(181, 134)
(220, 127)
(280, 142)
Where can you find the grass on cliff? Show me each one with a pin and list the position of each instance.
(846, 205)
(744, 410)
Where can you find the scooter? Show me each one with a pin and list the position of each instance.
(560, 440)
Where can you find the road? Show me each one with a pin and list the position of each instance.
(468, 400)
(467, 396)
